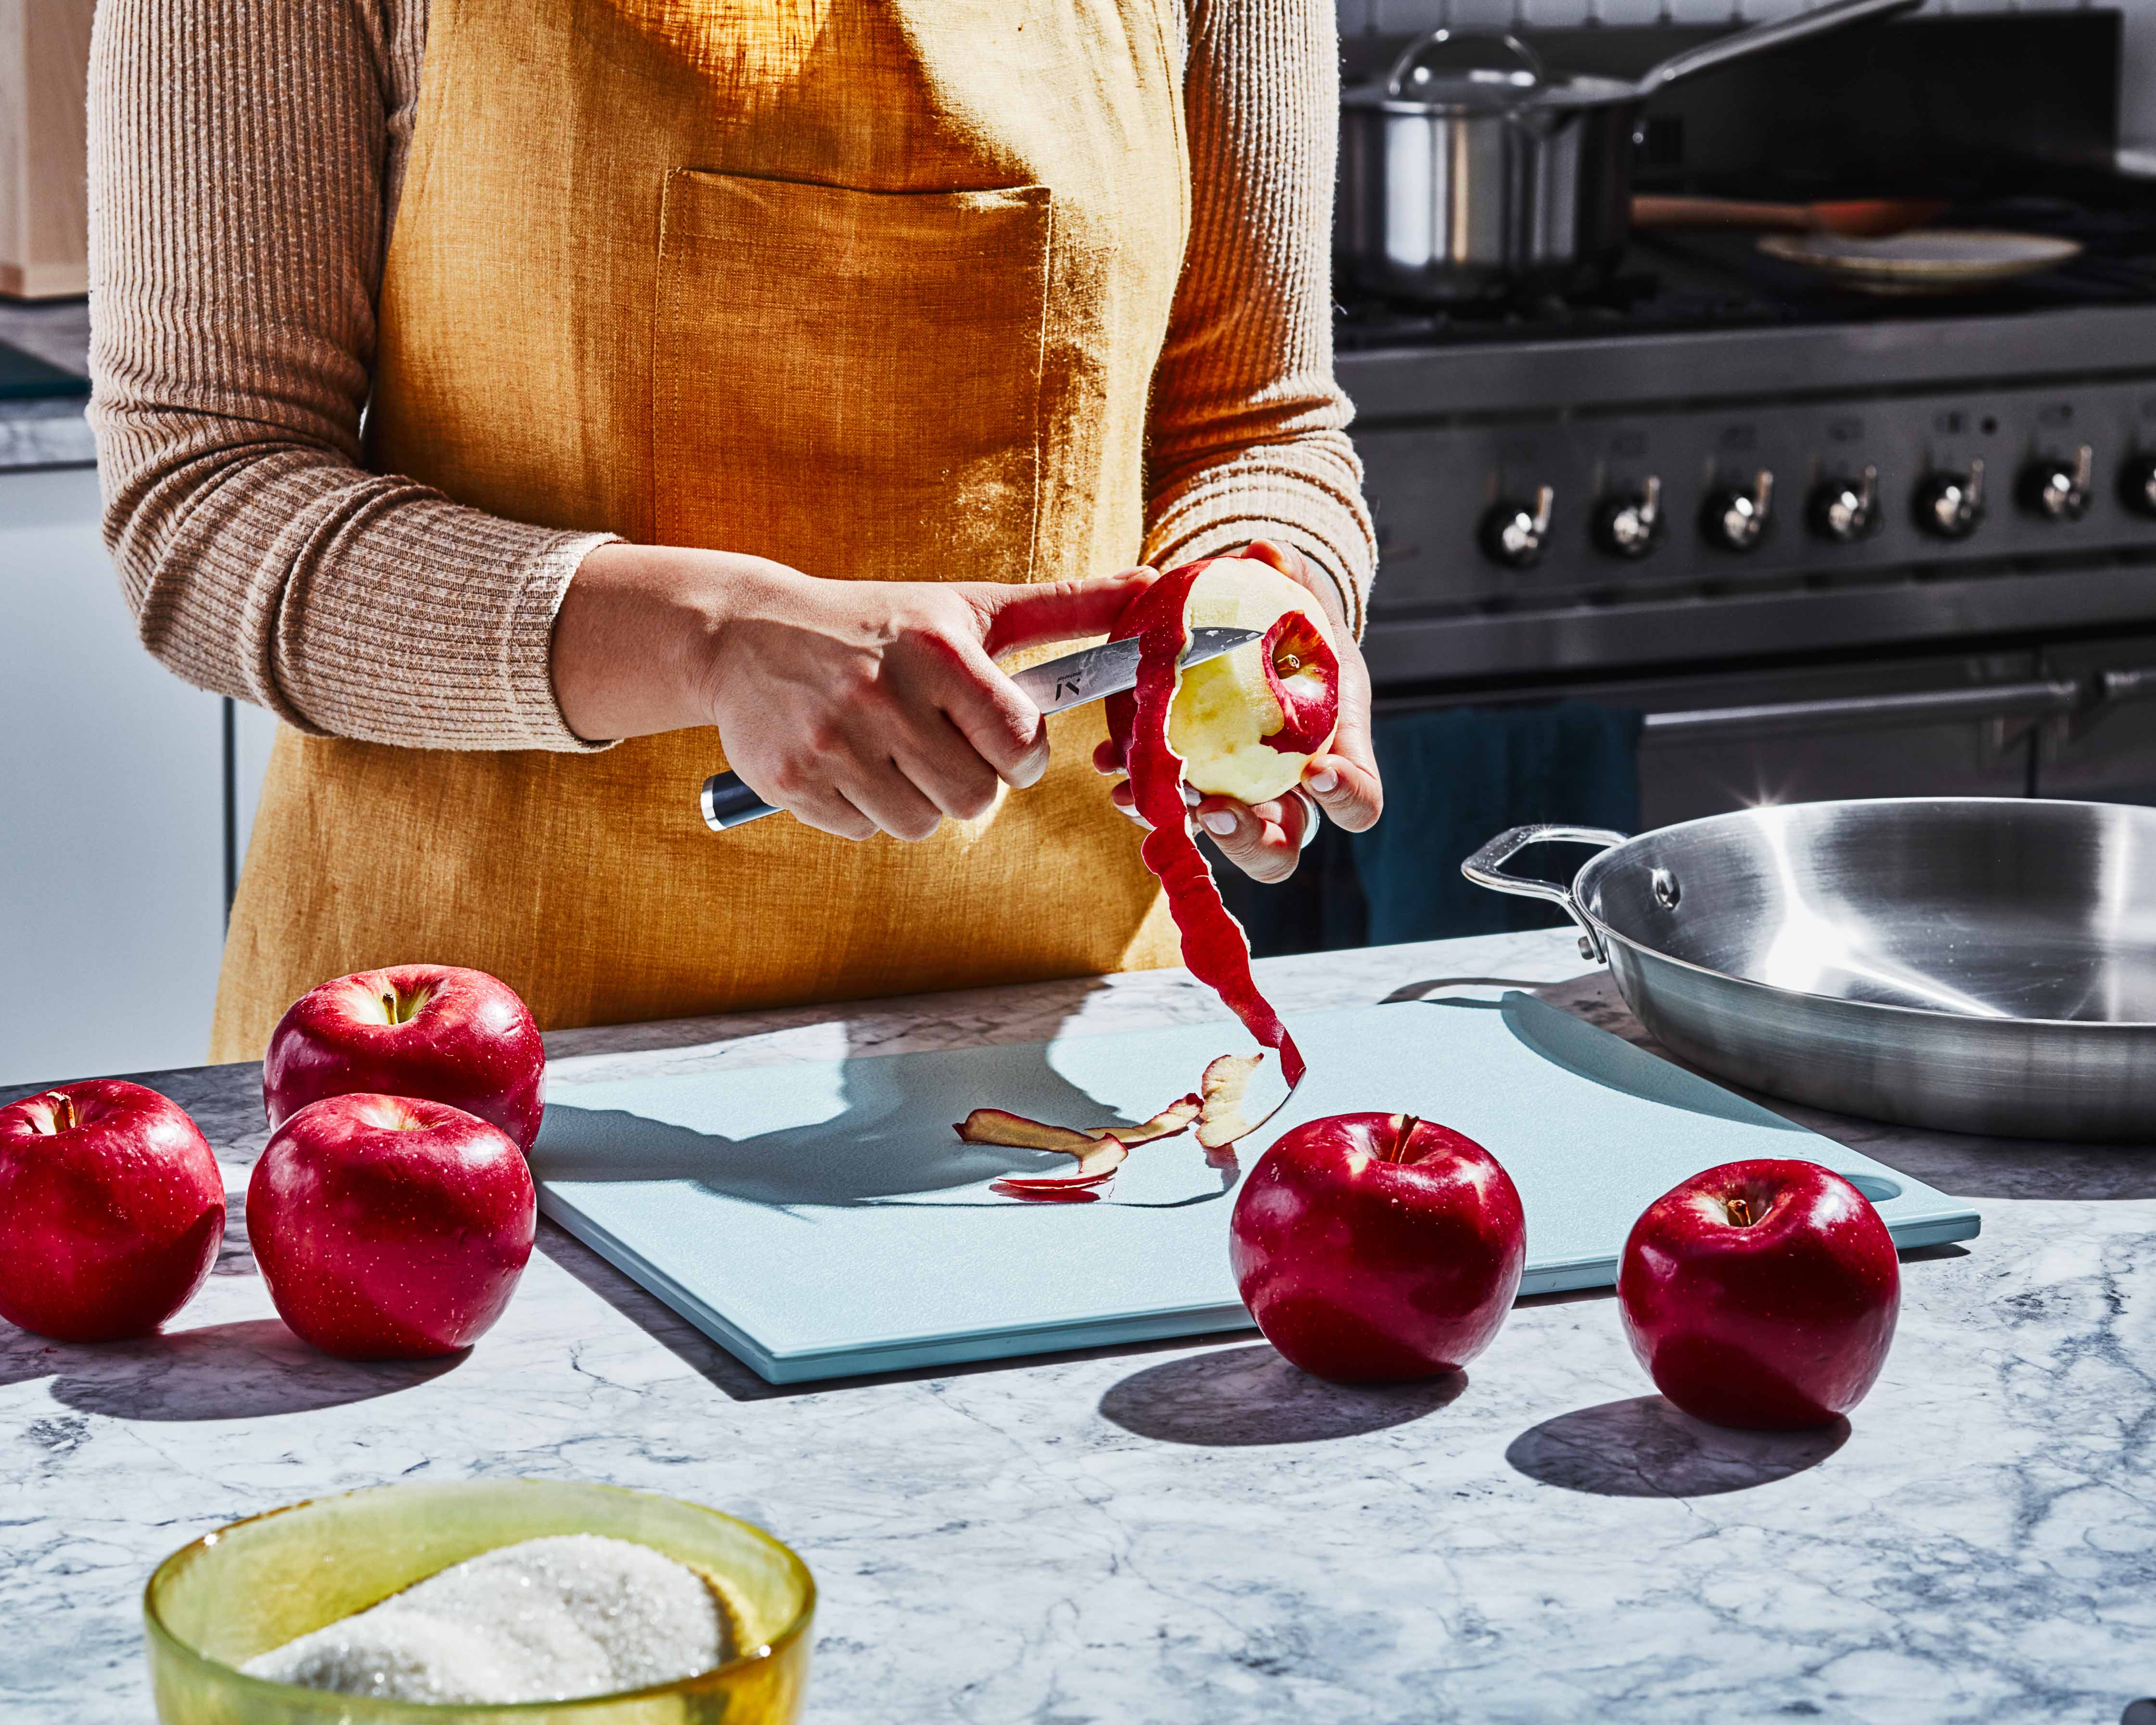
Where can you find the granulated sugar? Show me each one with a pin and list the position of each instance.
(548, 1620)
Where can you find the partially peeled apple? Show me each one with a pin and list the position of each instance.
(1247, 723)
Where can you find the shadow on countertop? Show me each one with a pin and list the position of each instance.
(1643, 1447)
(1234, 1397)
(245, 1370)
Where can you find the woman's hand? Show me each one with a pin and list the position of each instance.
(858, 707)
(1264, 840)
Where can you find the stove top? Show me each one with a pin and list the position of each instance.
(1706, 281)
(1720, 457)
(1721, 453)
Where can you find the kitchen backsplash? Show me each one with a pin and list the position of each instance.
(2138, 96)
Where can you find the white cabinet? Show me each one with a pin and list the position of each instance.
(112, 810)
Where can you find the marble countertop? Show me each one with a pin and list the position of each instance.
(1196, 1531)
(46, 432)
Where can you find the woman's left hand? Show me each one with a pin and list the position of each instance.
(1263, 840)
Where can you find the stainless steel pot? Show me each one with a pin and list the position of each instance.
(1974, 964)
(1469, 172)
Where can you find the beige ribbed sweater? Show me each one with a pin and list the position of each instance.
(245, 163)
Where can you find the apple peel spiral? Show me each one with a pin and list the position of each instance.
(1249, 729)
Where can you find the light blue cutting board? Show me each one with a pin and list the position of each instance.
(820, 1218)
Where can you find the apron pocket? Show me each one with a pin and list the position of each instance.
(850, 381)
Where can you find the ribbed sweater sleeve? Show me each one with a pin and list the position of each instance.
(1249, 429)
(239, 218)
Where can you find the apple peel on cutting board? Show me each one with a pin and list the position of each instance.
(1243, 725)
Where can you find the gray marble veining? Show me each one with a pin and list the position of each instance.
(1198, 1531)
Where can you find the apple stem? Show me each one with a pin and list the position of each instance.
(59, 1115)
(1290, 655)
(1740, 1212)
(1397, 1151)
(400, 1009)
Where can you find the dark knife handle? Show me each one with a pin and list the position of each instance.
(729, 803)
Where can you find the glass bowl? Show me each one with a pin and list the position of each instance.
(256, 1584)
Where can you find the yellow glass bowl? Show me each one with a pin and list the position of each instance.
(254, 1585)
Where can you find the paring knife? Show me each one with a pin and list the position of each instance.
(1111, 669)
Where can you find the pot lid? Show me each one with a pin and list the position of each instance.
(1448, 64)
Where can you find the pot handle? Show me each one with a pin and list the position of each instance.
(1485, 868)
(1764, 38)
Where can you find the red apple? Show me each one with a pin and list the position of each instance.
(1248, 722)
(432, 1030)
(1761, 1294)
(111, 1207)
(1375, 1247)
(390, 1227)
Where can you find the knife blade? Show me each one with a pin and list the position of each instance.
(1091, 673)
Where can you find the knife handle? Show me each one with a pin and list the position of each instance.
(728, 802)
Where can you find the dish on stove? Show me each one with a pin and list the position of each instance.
(1923, 260)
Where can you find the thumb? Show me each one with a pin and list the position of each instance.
(1014, 615)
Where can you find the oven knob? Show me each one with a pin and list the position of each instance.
(1735, 520)
(2057, 492)
(1630, 525)
(2137, 484)
(1846, 510)
(1513, 532)
(1949, 505)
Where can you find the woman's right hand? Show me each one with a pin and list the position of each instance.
(858, 707)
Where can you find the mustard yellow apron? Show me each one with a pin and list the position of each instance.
(873, 287)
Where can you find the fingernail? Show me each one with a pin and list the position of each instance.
(1324, 783)
(1191, 799)
(1219, 823)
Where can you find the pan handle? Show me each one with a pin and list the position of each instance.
(1486, 868)
(1761, 38)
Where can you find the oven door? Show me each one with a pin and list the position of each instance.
(2105, 753)
(1955, 726)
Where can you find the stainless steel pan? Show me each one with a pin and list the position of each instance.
(1468, 173)
(1974, 964)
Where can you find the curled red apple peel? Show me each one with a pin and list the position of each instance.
(999, 1125)
(1100, 1150)
(1221, 1089)
(1096, 1166)
(1214, 947)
